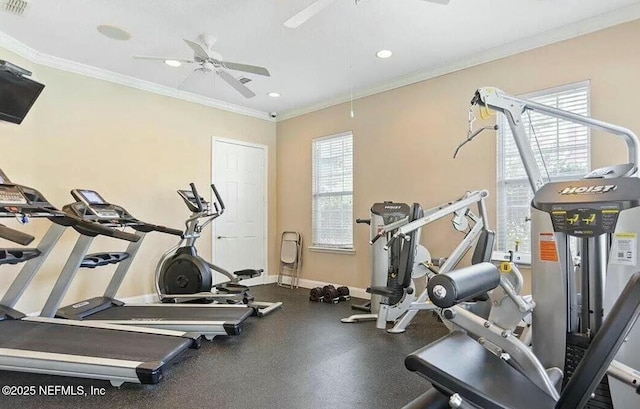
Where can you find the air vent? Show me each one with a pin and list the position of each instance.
(16, 7)
(244, 80)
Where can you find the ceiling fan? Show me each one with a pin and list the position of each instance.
(319, 5)
(211, 61)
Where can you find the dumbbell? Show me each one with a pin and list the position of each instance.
(330, 293)
(316, 294)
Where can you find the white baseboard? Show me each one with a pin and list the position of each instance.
(305, 283)
(271, 279)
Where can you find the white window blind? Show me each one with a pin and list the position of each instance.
(332, 189)
(562, 151)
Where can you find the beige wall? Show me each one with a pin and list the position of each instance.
(404, 139)
(134, 147)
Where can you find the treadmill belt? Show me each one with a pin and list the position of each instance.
(168, 313)
(92, 342)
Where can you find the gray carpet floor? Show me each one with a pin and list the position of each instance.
(300, 356)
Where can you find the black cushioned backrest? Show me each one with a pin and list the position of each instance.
(408, 254)
(603, 348)
(484, 247)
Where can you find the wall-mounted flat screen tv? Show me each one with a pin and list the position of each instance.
(17, 94)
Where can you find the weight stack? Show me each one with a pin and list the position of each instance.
(576, 347)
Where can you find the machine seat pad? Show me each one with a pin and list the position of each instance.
(383, 291)
(458, 364)
(248, 273)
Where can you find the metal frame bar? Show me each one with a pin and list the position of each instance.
(69, 271)
(123, 267)
(31, 267)
(520, 355)
(513, 107)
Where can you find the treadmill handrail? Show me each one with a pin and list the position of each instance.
(148, 227)
(90, 228)
(125, 220)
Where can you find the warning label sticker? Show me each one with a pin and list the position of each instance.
(625, 249)
(548, 250)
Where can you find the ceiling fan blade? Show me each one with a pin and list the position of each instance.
(443, 2)
(199, 51)
(237, 85)
(148, 57)
(310, 11)
(252, 69)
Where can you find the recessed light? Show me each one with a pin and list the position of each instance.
(113, 32)
(384, 54)
(173, 63)
(273, 94)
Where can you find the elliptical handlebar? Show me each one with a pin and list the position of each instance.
(197, 196)
(218, 199)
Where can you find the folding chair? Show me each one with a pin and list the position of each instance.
(290, 258)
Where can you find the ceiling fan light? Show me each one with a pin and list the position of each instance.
(384, 54)
(274, 94)
(173, 63)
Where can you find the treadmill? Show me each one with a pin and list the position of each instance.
(208, 320)
(60, 347)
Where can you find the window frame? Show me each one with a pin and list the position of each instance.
(522, 257)
(319, 247)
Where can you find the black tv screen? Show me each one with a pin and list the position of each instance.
(17, 95)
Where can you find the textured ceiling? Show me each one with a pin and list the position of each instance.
(327, 57)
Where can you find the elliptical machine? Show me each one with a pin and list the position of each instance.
(182, 275)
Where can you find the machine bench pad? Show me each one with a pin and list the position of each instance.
(460, 365)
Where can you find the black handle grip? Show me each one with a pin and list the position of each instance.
(197, 196)
(376, 238)
(218, 198)
(15, 236)
(168, 230)
(363, 221)
(117, 234)
(215, 206)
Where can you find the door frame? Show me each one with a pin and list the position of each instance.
(265, 149)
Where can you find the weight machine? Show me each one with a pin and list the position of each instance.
(393, 290)
(587, 312)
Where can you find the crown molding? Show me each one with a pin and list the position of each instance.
(24, 51)
(567, 32)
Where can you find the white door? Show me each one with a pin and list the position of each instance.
(239, 173)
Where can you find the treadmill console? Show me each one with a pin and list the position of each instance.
(11, 195)
(95, 204)
(18, 199)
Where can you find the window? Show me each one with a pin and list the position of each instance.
(332, 190)
(562, 151)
